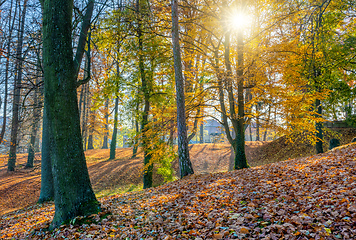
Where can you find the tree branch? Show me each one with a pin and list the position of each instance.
(83, 37)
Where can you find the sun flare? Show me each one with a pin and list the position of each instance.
(239, 20)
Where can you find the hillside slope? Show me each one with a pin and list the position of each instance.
(281, 149)
(21, 188)
(305, 198)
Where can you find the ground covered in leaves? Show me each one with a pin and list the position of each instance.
(21, 188)
(306, 198)
(282, 149)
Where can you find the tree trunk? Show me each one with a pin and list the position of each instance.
(135, 146)
(240, 157)
(73, 194)
(185, 165)
(84, 124)
(91, 114)
(81, 101)
(250, 130)
(319, 129)
(224, 118)
(47, 190)
(195, 126)
(201, 133)
(17, 92)
(114, 132)
(237, 119)
(35, 120)
(257, 121)
(148, 165)
(90, 140)
(91, 130)
(106, 125)
(8, 48)
(146, 89)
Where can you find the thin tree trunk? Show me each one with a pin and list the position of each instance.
(225, 122)
(250, 130)
(91, 130)
(185, 165)
(135, 146)
(17, 92)
(85, 115)
(3, 128)
(146, 88)
(81, 102)
(265, 135)
(201, 133)
(171, 136)
(90, 139)
(319, 129)
(114, 132)
(91, 114)
(106, 125)
(8, 48)
(195, 126)
(148, 165)
(36, 116)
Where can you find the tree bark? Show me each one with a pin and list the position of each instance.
(146, 90)
(91, 130)
(90, 139)
(201, 133)
(35, 120)
(240, 156)
(185, 165)
(250, 130)
(135, 146)
(47, 190)
(73, 194)
(91, 114)
(17, 92)
(319, 129)
(84, 123)
(106, 125)
(114, 132)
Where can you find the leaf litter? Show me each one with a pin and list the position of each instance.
(306, 198)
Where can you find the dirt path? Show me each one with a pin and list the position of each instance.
(21, 188)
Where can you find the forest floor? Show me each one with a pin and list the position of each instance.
(21, 188)
(303, 198)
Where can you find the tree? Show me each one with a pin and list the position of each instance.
(11, 22)
(185, 166)
(35, 119)
(17, 92)
(73, 194)
(114, 133)
(106, 124)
